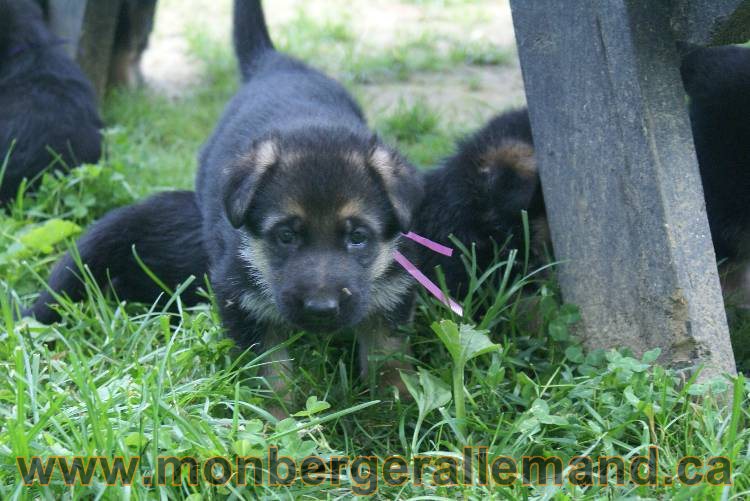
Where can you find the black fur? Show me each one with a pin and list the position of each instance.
(46, 103)
(165, 230)
(134, 25)
(479, 200)
(717, 81)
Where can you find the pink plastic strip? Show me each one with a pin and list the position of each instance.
(439, 248)
(427, 283)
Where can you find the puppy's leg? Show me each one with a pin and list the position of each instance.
(240, 320)
(135, 23)
(277, 370)
(377, 340)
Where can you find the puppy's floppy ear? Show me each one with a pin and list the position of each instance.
(507, 175)
(243, 176)
(402, 182)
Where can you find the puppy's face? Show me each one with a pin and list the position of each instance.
(319, 227)
(507, 171)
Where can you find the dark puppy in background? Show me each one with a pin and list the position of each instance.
(477, 196)
(717, 80)
(48, 115)
(164, 230)
(134, 25)
(297, 214)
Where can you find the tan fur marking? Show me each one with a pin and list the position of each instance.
(355, 208)
(290, 208)
(386, 166)
(352, 208)
(382, 162)
(294, 208)
(266, 154)
(383, 259)
(511, 153)
(356, 158)
(258, 159)
(252, 254)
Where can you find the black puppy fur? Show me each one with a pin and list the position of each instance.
(166, 232)
(717, 81)
(477, 195)
(46, 103)
(134, 25)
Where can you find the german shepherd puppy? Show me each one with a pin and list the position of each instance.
(303, 207)
(300, 208)
(477, 196)
(49, 115)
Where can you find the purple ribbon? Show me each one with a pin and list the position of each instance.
(434, 246)
(420, 277)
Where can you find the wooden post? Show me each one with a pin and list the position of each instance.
(97, 40)
(66, 21)
(89, 28)
(620, 177)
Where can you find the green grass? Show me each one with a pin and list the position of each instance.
(157, 139)
(131, 380)
(331, 44)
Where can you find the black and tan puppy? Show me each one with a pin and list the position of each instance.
(299, 207)
(477, 195)
(303, 207)
(48, 115)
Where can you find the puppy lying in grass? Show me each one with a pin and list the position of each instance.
(49, 116)
(477, 195)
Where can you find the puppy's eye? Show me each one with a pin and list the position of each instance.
(358, 238)
(286, 236)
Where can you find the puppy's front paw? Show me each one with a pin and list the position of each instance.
(390, 377)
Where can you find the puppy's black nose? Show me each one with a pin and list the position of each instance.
(321, 307)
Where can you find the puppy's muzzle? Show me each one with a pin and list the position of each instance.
(321, 309)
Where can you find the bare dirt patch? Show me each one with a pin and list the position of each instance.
(467, 94)
(470, 95)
